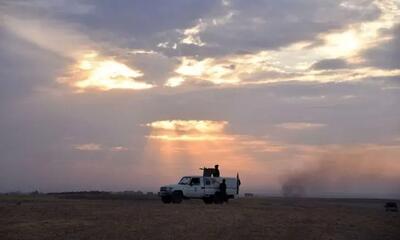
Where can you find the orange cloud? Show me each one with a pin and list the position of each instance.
(93, 72)
(203, 126)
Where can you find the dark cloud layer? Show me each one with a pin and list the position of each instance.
(328, 64)
(387, 54)
(273, 24)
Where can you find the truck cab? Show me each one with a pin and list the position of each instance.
(199, 187)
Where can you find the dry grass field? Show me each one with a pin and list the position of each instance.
(255, 218)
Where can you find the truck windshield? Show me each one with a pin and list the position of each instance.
(184, 181)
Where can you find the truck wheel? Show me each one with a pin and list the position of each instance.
(218, 198)
(177, 197)
(166, 199)
(208, 200)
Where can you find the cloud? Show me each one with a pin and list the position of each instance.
(98, 147)
(140, 23)
(189, 125)
(306, 45)
(93, 72)
(209, 70)
(300, 125)
(326, 47)
(188, 130)
(191, 35)
(119, 149)
(387, 54)
(142, 51)
(294, 63)
(175, 81)
(327, 64)
(88, 147)
(289, 21)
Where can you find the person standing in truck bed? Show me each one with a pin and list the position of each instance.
(216, 171)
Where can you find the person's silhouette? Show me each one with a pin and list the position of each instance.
(216, 171)
(222, 190)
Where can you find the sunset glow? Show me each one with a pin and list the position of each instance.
(363, 35)
(208, 70)
(99, 73)
(201, 126)
(205, 142)
(342, 44)
(139, 93)
(191, 137)
(174, 81)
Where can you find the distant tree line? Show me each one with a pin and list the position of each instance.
(125, 195)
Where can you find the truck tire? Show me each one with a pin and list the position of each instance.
(208, 200)
(177, 197)
(166, 199)
(218, 198)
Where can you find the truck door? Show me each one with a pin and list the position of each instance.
(209, 188)
(195, 189)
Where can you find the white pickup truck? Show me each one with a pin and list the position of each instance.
(199, 187)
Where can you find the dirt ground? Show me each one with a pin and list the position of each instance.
(255, 218)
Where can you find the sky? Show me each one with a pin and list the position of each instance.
(132, 95)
